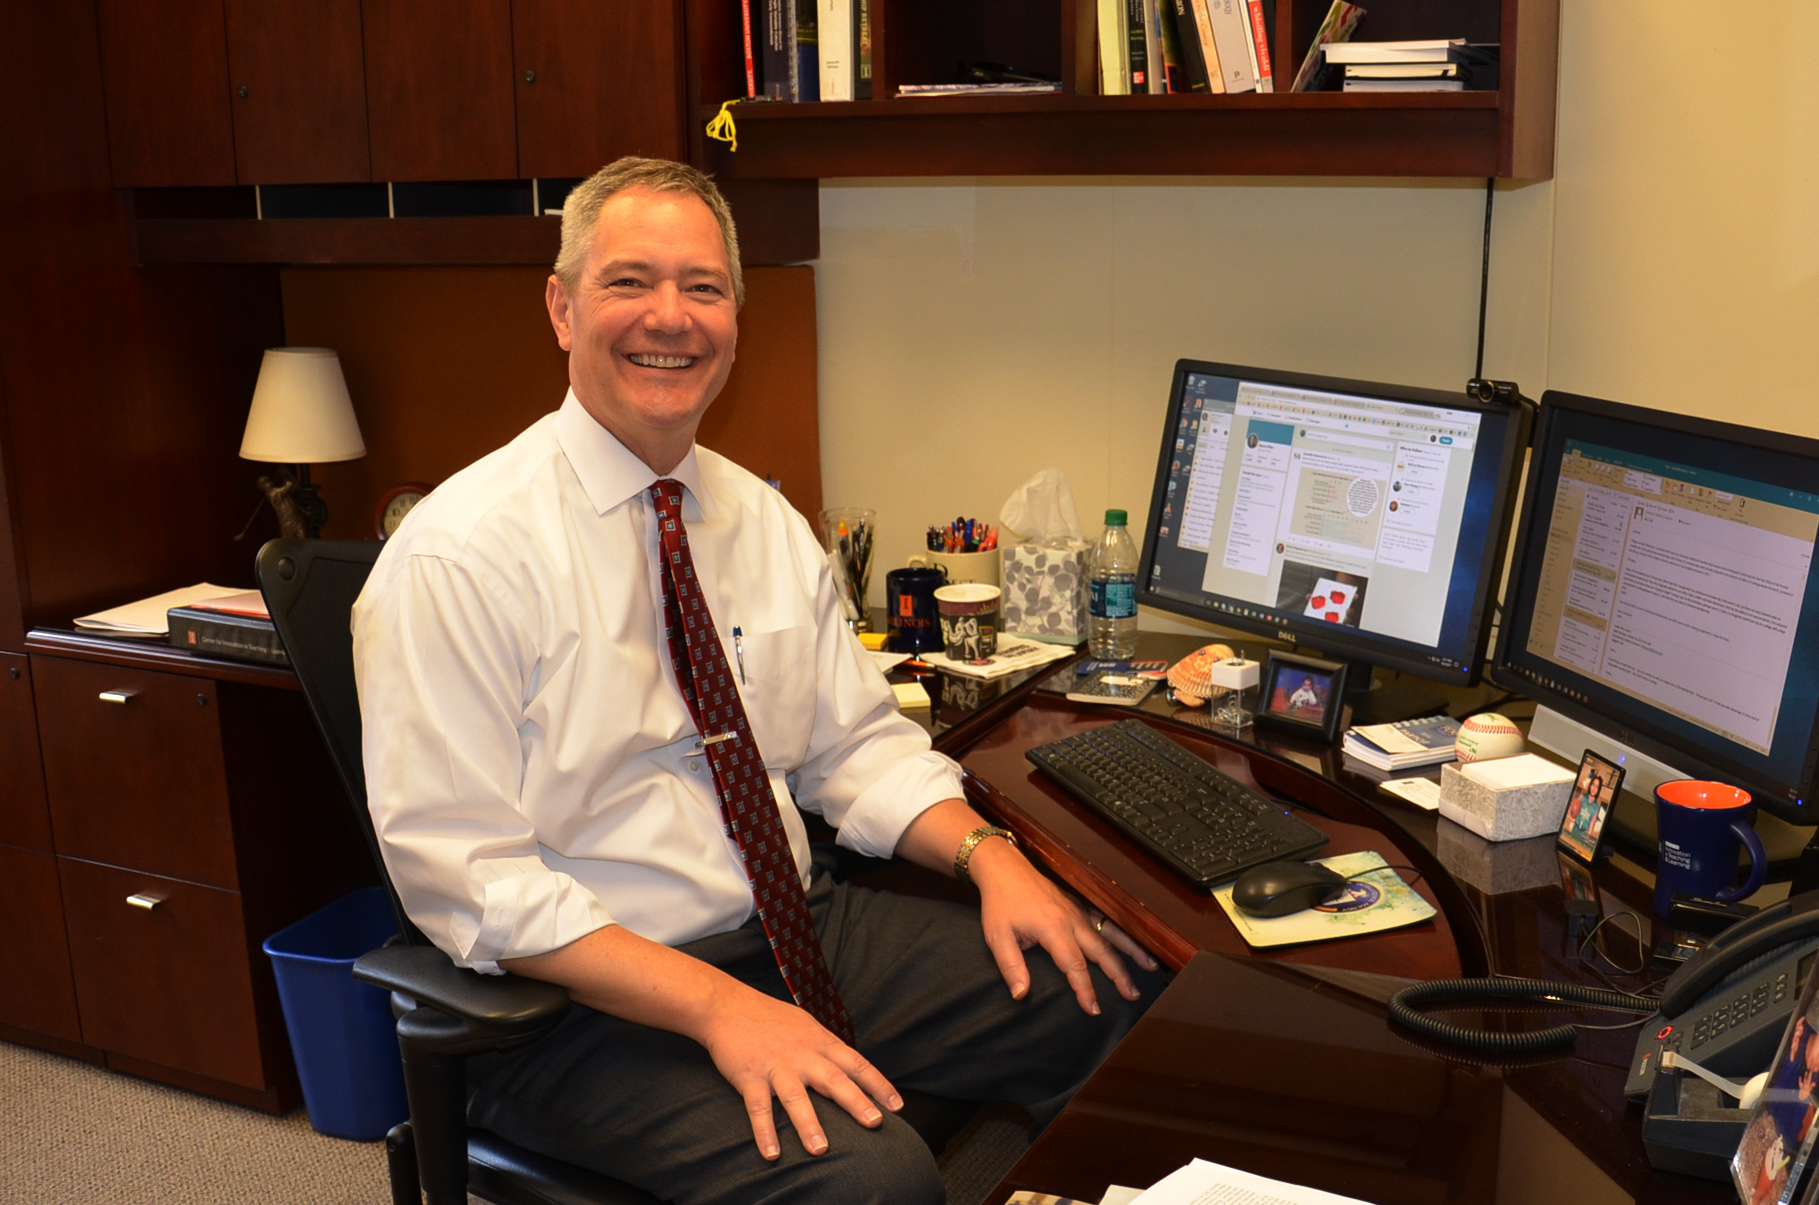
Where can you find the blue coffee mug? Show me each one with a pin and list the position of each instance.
(913, 619)
(1701, 824)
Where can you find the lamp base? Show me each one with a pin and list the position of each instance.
(301, 510)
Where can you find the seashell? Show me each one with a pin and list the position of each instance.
(1191, 677)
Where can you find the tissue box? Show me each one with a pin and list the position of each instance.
(1506, 799)
(1045, 591)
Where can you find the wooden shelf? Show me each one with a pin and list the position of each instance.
(153, 654)
(483, 240)
(1313, 134)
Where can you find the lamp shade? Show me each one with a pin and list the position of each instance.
(301, 412)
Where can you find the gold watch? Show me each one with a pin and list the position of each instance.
(967, 846)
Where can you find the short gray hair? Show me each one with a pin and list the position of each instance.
(581, 211)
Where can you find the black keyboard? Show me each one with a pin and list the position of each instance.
(1204, 823)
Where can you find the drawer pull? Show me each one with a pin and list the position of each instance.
(145, 900)
(116, 696)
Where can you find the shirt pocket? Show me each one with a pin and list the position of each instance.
(777, 682)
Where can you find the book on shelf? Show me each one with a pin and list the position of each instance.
(834, 47)
(776, 47)
(1262, 21)
(805, 66)
(237, 626)
(1403, 71)
(1403, 85)
(1193, 59)
(1137, 45)
(750, 44)
(1432, 50)
(1174, 61)
(1231, 24)
(1335, 29)
(862, 49)
(1114, 57)
(1022, 88)
(1401, 746)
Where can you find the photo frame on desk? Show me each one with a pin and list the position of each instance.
(1302, 694)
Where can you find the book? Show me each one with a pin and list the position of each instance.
(1136, 32)
(218, 632)
(1231, 34)
(1114, 64)
(862, 49)
(1341, 19)
(1404, 85)
(1402, 70)
(1438, 50)
(834, 41)
(1209, 52)
(1193, 59)
(1260, 47)
(1174, 62)
(1423, 742)
(805, 65)
(994, 89)
(751, 63)
(777, 41)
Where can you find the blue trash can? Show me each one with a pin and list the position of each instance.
(342, 1033)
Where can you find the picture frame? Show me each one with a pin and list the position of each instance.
(1594, 793)
(1302, 694)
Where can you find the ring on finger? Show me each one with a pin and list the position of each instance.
(1099, 924)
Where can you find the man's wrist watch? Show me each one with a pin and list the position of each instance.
(965, 854)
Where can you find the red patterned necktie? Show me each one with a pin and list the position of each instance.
(747, 804)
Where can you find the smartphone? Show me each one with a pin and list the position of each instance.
(1594, 791)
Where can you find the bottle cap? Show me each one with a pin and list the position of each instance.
(1116, 518)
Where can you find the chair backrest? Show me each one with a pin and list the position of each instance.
(310, 587)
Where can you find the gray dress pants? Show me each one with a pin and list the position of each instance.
(931, 1012)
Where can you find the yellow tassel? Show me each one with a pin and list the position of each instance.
(721, 128)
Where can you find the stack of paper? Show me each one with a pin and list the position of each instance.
(1423, 742)
(148, 616)
(1012, 656)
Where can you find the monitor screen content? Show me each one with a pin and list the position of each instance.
(1663, 590)
(1359, 519)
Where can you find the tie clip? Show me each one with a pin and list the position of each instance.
(705, 741)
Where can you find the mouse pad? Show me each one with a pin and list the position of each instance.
(1375, 900)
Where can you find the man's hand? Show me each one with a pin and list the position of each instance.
(1020, 908)
(763, 1046)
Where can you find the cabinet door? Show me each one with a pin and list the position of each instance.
(170, 982)
(23, 818)
(12, 593)
(439, 89)
(164, 74)
(133, 768)
(36, 992)
(596, 81)
(299, 91)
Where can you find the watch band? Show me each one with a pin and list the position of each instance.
(965, 853)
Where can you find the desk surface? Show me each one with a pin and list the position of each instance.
(1285, 1064)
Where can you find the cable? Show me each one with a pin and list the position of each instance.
(1484, 276)
(1402, 1010)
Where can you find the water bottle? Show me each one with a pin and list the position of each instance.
(1111, 626)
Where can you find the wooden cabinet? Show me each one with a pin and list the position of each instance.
(193, 812)
(596, 81)
(298, 95)
(439, 89)
(23, 818)
(12, 601)
(164, 74)
(37, 994)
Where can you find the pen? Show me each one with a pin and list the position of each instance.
(739, 651)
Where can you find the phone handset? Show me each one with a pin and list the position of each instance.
(1789, 921)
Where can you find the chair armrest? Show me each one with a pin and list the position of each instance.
(507, 1005)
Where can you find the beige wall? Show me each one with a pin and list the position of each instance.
(974, 331)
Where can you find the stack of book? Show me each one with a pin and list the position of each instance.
(803, 50)
(1158, 46)
(1430, 65)
(1403, 746)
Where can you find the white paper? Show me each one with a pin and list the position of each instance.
(1011, 657)
(1522, 770)
(147, 617)
(1422, 792)
(886, 662)
(1204, 1183)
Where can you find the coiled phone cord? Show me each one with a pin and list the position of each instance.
(1403, 1010)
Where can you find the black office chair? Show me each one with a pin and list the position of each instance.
(445, 1013)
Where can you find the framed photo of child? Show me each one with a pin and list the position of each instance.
(1304, 694)
(1594, 791)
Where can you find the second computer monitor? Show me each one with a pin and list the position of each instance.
(1364, 520)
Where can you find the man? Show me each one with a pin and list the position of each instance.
(599, 669)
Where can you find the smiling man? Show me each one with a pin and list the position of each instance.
(571, 780)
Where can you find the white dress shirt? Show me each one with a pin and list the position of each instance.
(531, 767)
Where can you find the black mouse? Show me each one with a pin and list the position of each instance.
(1279, 888)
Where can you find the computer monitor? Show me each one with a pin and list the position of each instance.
(1363, 520)
(1662, 598)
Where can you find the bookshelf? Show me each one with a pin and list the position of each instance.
(1507, 133)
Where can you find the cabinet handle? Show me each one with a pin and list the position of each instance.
(116, 696)
(145, 900)
(530, 77)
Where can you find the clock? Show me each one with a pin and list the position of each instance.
(396, 504)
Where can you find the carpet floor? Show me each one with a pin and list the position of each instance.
(72, 1132)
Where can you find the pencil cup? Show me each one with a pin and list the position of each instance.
(961, 567)
(847, 532)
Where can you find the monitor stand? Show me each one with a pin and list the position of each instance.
(1386, 702)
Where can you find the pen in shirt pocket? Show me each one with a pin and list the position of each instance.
(739, 651)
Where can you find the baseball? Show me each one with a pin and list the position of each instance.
(1488, 736)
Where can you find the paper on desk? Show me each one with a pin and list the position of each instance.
(1422, 792)
(147, 616)
(1203, 1183)
(1012, 656)
(886, 662)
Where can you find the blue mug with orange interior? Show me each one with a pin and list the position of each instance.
(1701, 825)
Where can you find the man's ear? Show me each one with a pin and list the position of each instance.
(556, 298)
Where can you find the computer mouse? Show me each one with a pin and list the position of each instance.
(1279, 888)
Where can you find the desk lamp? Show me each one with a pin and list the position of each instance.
(301, 415)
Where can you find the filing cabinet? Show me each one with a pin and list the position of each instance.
(191, 815)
